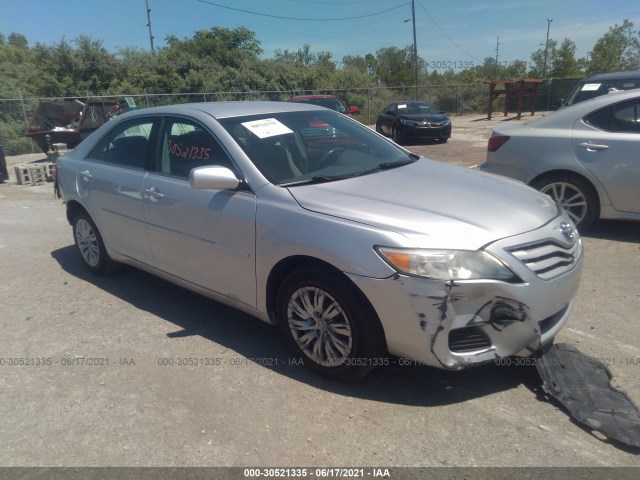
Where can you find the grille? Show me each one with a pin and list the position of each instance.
(468, 340)
(548, 259)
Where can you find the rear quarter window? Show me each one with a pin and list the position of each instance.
(620, 118)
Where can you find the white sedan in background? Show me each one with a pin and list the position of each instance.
(586, 157)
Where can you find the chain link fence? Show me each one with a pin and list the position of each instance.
(454, 99)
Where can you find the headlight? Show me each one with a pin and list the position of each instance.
(447, 264)
(407, 122)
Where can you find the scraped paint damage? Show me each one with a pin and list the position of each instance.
(440, 317)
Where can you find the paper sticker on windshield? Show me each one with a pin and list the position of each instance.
(265, 128)
(591, 87)
(402, 106)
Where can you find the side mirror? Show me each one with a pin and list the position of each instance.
(213, 178)
(557, 103)
(354, 110)
(442, 113)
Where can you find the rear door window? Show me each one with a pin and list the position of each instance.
(127, 145)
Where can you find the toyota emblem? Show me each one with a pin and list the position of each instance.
(567, 231)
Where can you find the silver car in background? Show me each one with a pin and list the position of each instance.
(305, 218)
(586, 157)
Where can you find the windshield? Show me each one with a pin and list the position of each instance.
(416, 108)
(312, 146)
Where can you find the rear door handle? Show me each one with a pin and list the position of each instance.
(592, 147)
(86, 175)
(153, 192)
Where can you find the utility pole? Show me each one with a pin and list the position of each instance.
(497, 50)
(415, 47)
(149, 25)
(546, 49)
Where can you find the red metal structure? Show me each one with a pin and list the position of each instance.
(513, 88)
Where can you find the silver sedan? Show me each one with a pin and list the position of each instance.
(586, 157)
(305, 218)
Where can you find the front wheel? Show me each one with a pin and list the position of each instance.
(573, 194)
(90, 245)
(395, 135)
(326, 320)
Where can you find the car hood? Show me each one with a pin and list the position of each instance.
(434, 204)
(424, 117)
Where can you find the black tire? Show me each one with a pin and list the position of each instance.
(90, 245)
(379, 129)
(574, 194)
(444, 139)
(343, 344)
(396, 136)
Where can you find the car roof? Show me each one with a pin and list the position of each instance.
(229, 109)
(613, 76)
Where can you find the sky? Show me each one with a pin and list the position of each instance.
(449, 33)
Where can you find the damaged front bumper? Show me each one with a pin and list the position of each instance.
(455, 325)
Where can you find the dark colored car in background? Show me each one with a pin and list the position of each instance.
(417, 120)
(599, 84)
(328, 101)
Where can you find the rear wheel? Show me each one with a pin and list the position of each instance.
(326, 320)
(90, 245)
(573, 194)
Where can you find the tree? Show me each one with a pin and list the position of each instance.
(563, 61)
(95, 68)
(221, 46)
(542, 59)
(394, 66)
(616, 50)
(18, 40)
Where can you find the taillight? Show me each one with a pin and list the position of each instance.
(496, 142)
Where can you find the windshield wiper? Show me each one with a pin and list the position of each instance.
(388, 165)
(312, 180)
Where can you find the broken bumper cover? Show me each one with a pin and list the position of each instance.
(582, 384)
(454, 325)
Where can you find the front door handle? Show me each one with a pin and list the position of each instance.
(153, 192)
(592, 147)
(86, 174)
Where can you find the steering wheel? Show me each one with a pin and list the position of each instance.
(330, 157)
